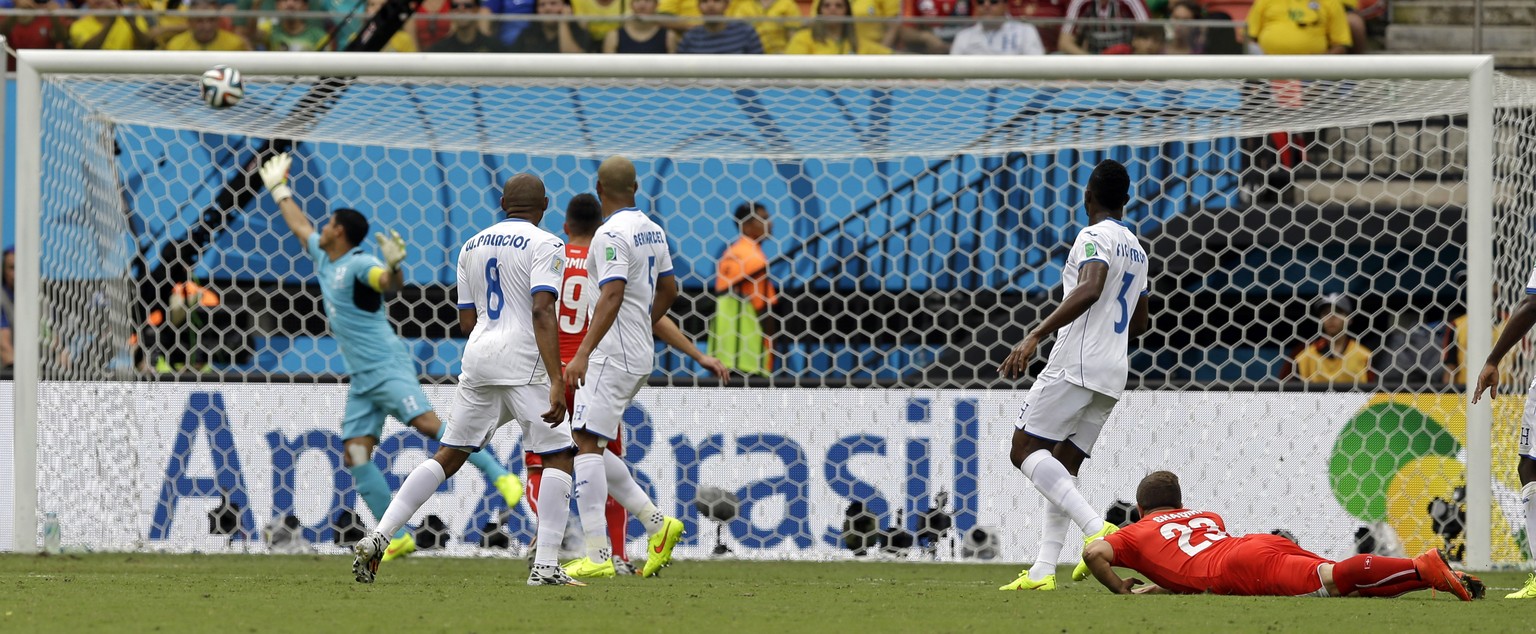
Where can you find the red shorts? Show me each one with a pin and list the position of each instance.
(535, 461)
(1270, 565)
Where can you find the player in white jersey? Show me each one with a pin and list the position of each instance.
(1515, 329)
(509, 277)
(1105, 304)
(633, 268)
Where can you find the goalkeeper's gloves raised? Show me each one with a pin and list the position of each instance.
(274, 174)
(391, 247)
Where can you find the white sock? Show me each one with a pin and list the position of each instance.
(591, 498)
(414, 492)
(627, 492)
(1053, 535)
(1528, 497)
(1053, 481)
(554, 510)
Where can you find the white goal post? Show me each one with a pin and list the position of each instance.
(1342, 74)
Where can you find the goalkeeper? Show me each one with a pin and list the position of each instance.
(383, 380)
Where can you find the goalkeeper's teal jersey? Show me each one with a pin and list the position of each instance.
(356, 313)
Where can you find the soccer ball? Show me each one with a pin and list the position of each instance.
(222, 87)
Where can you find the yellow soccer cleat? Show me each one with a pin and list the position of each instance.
(659, 555)
(1081, 571)
(511, 488)
(1023, 583)
(399, 547)
(584, 569)
(1527, 592)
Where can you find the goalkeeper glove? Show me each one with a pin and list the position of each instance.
(274, 174)
(391, 247)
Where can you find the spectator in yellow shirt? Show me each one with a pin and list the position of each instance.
(679, 15)
(599, 30)
(1335, 357)
(204, 34)
(832, 38)
(120, 33)
(1299, 27)
(774, 34)
(882, 33)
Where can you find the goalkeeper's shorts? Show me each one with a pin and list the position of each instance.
(397, 394)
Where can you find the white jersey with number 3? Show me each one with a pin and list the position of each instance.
(629, 247)
(500, 270)
(1093, 351)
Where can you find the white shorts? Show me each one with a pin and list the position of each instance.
(1056, 409)
(479, 411)
(1528, 423)
(601, 401)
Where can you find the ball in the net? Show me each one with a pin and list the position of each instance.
(222, 87)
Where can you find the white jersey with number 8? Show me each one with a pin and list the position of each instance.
(1093, 351)
(500, 269)
(629, 247)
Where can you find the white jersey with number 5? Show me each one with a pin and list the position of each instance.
(500, 269)
(629, 247)
(1093, 351)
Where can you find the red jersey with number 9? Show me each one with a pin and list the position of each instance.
(1182, 550)
(576, 296)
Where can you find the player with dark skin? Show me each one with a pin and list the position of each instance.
(523, 198)
(1520, 323)
(1090, 286)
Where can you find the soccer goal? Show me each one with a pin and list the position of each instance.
(1332, 241)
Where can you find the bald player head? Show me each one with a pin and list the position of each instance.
(523, 197)
(616, 184)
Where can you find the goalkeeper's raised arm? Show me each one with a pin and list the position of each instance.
(333, 239)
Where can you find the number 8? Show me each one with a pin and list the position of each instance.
(495, 299)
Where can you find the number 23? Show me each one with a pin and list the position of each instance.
(1212, 534)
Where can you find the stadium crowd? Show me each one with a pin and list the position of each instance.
(820, 27)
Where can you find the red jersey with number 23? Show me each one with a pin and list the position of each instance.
(1182, 550)
(576, 296)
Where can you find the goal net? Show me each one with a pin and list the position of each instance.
(1316, 290)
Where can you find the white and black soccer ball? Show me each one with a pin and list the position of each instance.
(222, 87)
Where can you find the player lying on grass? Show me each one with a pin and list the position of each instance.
(383, 377)
(508, 284)
(1189, 552)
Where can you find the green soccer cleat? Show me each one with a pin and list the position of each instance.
(584, 569)
(399, 547)
(659, 555)
(511, 488)
(1081, 571)
(1526, 592)
(1023, 583)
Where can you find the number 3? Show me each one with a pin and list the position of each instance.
(1125, 306)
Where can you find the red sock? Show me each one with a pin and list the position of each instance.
(1374, 576)
(1394, 590)
(535, 475)
(618, 520)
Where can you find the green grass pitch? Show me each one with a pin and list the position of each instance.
(236, 593)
